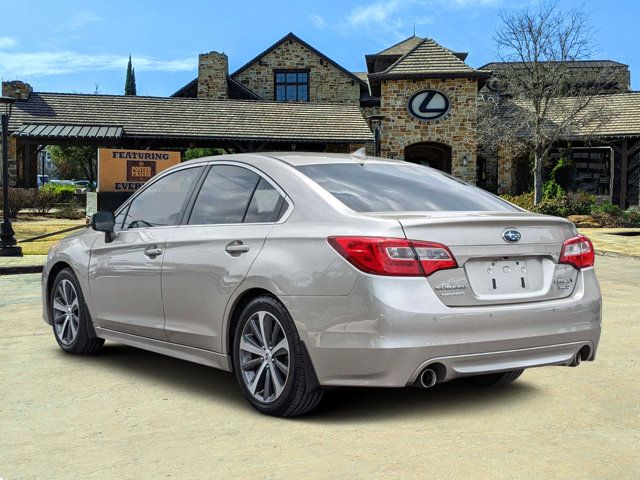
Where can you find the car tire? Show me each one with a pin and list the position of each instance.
(70, 318)
(259, 366)
(494, 379)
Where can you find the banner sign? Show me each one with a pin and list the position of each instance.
(127, 170)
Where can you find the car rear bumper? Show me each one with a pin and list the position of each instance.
(387, 330)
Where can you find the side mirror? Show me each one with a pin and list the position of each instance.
(104, 222)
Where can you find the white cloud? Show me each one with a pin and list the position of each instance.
(8, 42)
(64, 62)
(318, 21)
(379, 12)
(77, 21)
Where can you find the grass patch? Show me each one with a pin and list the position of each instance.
(28, 226)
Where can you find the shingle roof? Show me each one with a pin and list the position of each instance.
(402, 47)
(573, 64)
(171, 117)
(430, 59)
(621, 112)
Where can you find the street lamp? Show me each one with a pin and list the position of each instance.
(375, 121)
(8, 242)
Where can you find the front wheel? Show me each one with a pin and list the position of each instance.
(270, 363)
(70, 317)
(494, 379)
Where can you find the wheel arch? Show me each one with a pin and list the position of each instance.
(236, 308)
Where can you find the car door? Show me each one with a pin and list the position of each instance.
(208, 256)
(125, 274)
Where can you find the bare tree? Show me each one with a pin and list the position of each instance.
(537, 97)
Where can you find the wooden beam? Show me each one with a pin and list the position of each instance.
(624, 160)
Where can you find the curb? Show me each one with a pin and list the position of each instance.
(21, 269)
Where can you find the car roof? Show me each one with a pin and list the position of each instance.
(299, 158)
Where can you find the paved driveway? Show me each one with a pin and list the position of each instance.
(126, 413)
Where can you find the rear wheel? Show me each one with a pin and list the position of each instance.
(70, 318)
(270, 362)
(495, 379)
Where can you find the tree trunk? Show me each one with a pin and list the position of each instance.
(537, 177)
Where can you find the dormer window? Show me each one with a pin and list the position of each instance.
(291, 85)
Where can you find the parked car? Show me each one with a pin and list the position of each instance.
(300, 272)
(41, 180)
(84, 184)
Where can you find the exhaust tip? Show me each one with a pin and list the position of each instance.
(428, 378)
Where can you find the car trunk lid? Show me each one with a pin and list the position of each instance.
(496, 267)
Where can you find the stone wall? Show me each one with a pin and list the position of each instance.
(327, 84)
(213, 68)
(458, 129)
(16, 89)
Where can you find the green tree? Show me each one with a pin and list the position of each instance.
(74, 162)
(192, 153)
(130, 82)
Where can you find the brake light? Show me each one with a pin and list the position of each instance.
(394, 256)
(578, 251)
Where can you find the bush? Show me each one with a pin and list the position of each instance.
(44, 200)
(523, 201)
(19, 199)
(579, 203)
(71, 210)
(62, 193)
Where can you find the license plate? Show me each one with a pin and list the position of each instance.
(507, 275)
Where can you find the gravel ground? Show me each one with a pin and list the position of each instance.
(126, 413)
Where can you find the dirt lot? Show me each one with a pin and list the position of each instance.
(131, 414)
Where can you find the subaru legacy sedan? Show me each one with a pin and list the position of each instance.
(300, 272)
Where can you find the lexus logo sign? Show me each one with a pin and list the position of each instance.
(428, 105)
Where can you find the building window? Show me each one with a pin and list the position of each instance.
(292, 86)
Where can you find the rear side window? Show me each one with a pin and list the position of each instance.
(224, 196)
(400, 187)
(266, 205)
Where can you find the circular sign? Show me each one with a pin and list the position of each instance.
(428, 105)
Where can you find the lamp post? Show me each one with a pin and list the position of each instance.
(375, 121)
(8, 242)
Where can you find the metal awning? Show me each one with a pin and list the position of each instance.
(69, 131)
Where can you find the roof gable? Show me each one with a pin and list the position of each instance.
(402, 47)
(291, 37)
(429, 58)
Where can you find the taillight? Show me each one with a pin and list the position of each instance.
(394, 256)
(578, 251)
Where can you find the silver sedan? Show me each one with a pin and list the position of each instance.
(300, 272)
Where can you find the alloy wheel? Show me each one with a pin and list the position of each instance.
(264, 356)
(66, 312)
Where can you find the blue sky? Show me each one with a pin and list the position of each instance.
(73, 45)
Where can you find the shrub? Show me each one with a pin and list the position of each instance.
(523, 201)
(71, 210)
(44, 200)
(579, 203)
(62, 193)
(19, 199)
(551, 189)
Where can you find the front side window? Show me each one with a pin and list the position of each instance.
(400, 187)
(161, 204)
(292, 86)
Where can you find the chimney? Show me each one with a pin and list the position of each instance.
(213, 68)
(16, 89)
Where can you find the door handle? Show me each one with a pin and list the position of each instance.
(152, 251)
(236, 247)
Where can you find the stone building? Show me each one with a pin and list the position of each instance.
(417, 101)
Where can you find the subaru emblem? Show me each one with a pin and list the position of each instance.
(511, 235)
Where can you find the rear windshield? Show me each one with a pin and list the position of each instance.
(402, 187)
